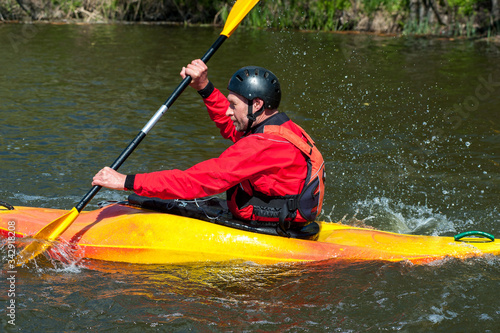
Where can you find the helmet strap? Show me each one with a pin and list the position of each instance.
(252, 116)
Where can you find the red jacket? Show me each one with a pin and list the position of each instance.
(267, 163)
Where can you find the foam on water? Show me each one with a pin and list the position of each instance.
(65, 201)
(29, 198)
(387, 214)
(57, 258)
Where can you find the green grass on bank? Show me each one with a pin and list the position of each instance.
(436, 17)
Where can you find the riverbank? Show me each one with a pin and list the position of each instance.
(451, 18)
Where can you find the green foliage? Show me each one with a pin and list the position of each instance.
(299, 14)
(391, 6)
(412, 17)
(465, 7)
(67, 5)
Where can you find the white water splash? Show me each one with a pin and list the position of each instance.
(386, 214)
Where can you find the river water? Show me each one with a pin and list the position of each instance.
(409, 129)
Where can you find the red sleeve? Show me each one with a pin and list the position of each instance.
(243, 160)
(217, 105)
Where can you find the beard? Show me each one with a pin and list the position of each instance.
(239, 126)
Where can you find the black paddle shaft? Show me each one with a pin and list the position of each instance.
(142, 134)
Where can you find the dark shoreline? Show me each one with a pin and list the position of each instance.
(493, 39)
(444, 18)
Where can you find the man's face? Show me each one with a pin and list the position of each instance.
(238, 110)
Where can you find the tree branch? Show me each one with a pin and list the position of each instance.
(24, 8)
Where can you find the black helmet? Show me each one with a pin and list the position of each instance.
(252, 82)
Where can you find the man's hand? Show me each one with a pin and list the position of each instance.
(109, 178)
(198, 72)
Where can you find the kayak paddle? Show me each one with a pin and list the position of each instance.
(48, 234)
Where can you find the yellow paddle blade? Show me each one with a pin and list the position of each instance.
(237, 14)
(43, 239)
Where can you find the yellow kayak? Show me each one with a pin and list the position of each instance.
(124, 233)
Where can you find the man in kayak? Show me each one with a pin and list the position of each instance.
(273, 173)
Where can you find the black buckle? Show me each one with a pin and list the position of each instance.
(289, 207)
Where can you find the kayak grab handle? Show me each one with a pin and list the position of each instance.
(474, 233)
(6, 205)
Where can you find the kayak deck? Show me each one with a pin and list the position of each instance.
(130, 234)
